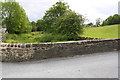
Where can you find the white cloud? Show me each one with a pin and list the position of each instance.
(92, 9)
(35, 9)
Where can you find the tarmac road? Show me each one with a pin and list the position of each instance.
(99, 65)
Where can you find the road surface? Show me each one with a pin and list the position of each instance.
(99, 65)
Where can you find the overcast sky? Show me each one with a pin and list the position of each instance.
(92, 9)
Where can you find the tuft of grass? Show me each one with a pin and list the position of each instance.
(105, 32)
(48, 37)
(23, 38)
(35, 37)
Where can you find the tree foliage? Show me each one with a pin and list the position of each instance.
(59, 19)
(115, 19)
(40, 25)
(34, 27)
(69, 24)
(89, 24)
(53, 13)
(15, 18)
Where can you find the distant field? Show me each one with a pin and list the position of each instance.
(105, 32)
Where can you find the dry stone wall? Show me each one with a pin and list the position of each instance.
(36, 51)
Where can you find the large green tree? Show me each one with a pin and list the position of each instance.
(59, 19)
(14, 17)
(70, 24)
(53, 13)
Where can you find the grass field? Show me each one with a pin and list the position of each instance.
(105, 32)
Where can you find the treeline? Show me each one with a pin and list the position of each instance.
(59, 19)
(111, 20)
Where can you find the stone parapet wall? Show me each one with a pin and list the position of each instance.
(18, 52)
